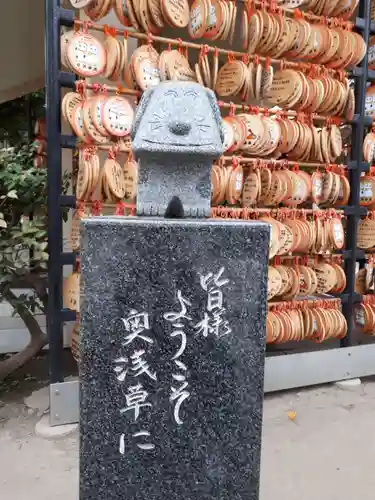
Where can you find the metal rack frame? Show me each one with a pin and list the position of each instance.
(358, 166)
(281, 372)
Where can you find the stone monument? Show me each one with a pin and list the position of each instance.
(173, 323)
(177, 126)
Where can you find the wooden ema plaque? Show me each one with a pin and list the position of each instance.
(316, 320)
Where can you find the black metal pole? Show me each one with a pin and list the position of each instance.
(53, 98)
(355, 175)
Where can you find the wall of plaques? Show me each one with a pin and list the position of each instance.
(290, 77)
(364, 276)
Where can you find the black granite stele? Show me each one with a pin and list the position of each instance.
(173, 323)
(142, 264)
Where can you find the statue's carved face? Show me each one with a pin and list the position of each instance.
(176, 119)
(179, 117)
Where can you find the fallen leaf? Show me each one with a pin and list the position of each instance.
(292, 415)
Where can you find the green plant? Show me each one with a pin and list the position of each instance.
(23, 223)
(23, 245)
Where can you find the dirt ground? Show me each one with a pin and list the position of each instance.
(327, 451)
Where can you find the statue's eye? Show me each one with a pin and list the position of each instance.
(200, 123)
(191, 93)
(171, 93)
(203, 128)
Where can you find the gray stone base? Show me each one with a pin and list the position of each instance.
(44, 430)
(349, 385)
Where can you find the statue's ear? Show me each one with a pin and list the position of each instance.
(145, 99)
(216, 112)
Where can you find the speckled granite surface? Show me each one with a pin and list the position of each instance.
(177, 133)
(171, 395)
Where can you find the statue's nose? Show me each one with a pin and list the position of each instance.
(179, 127)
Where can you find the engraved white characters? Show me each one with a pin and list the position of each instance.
(214, 321)
(210, 280)
(121, 368)
(135, 400)
(140, 365)
(135, 365)
(180, 393)
(172, 317)
(136, 323)
(142, 446)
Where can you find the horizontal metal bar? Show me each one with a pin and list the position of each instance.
(360, 254)
(354, 210)
(365, 166)
(67, 315)
(68, 258)
(354, 299)
(148, 37)
(357, 71)
(344, 297)
(67, 200)
(66, 17)
(367, 121)
(357, 119)
(353, 165)
(346, 254)
(67, 79)
(68, 141)
(371, 75)
(359, 23)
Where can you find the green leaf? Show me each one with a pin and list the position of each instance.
(17, 234)
(12, 194)
(6, 278)
(32, 229)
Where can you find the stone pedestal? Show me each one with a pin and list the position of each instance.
(173, 338)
